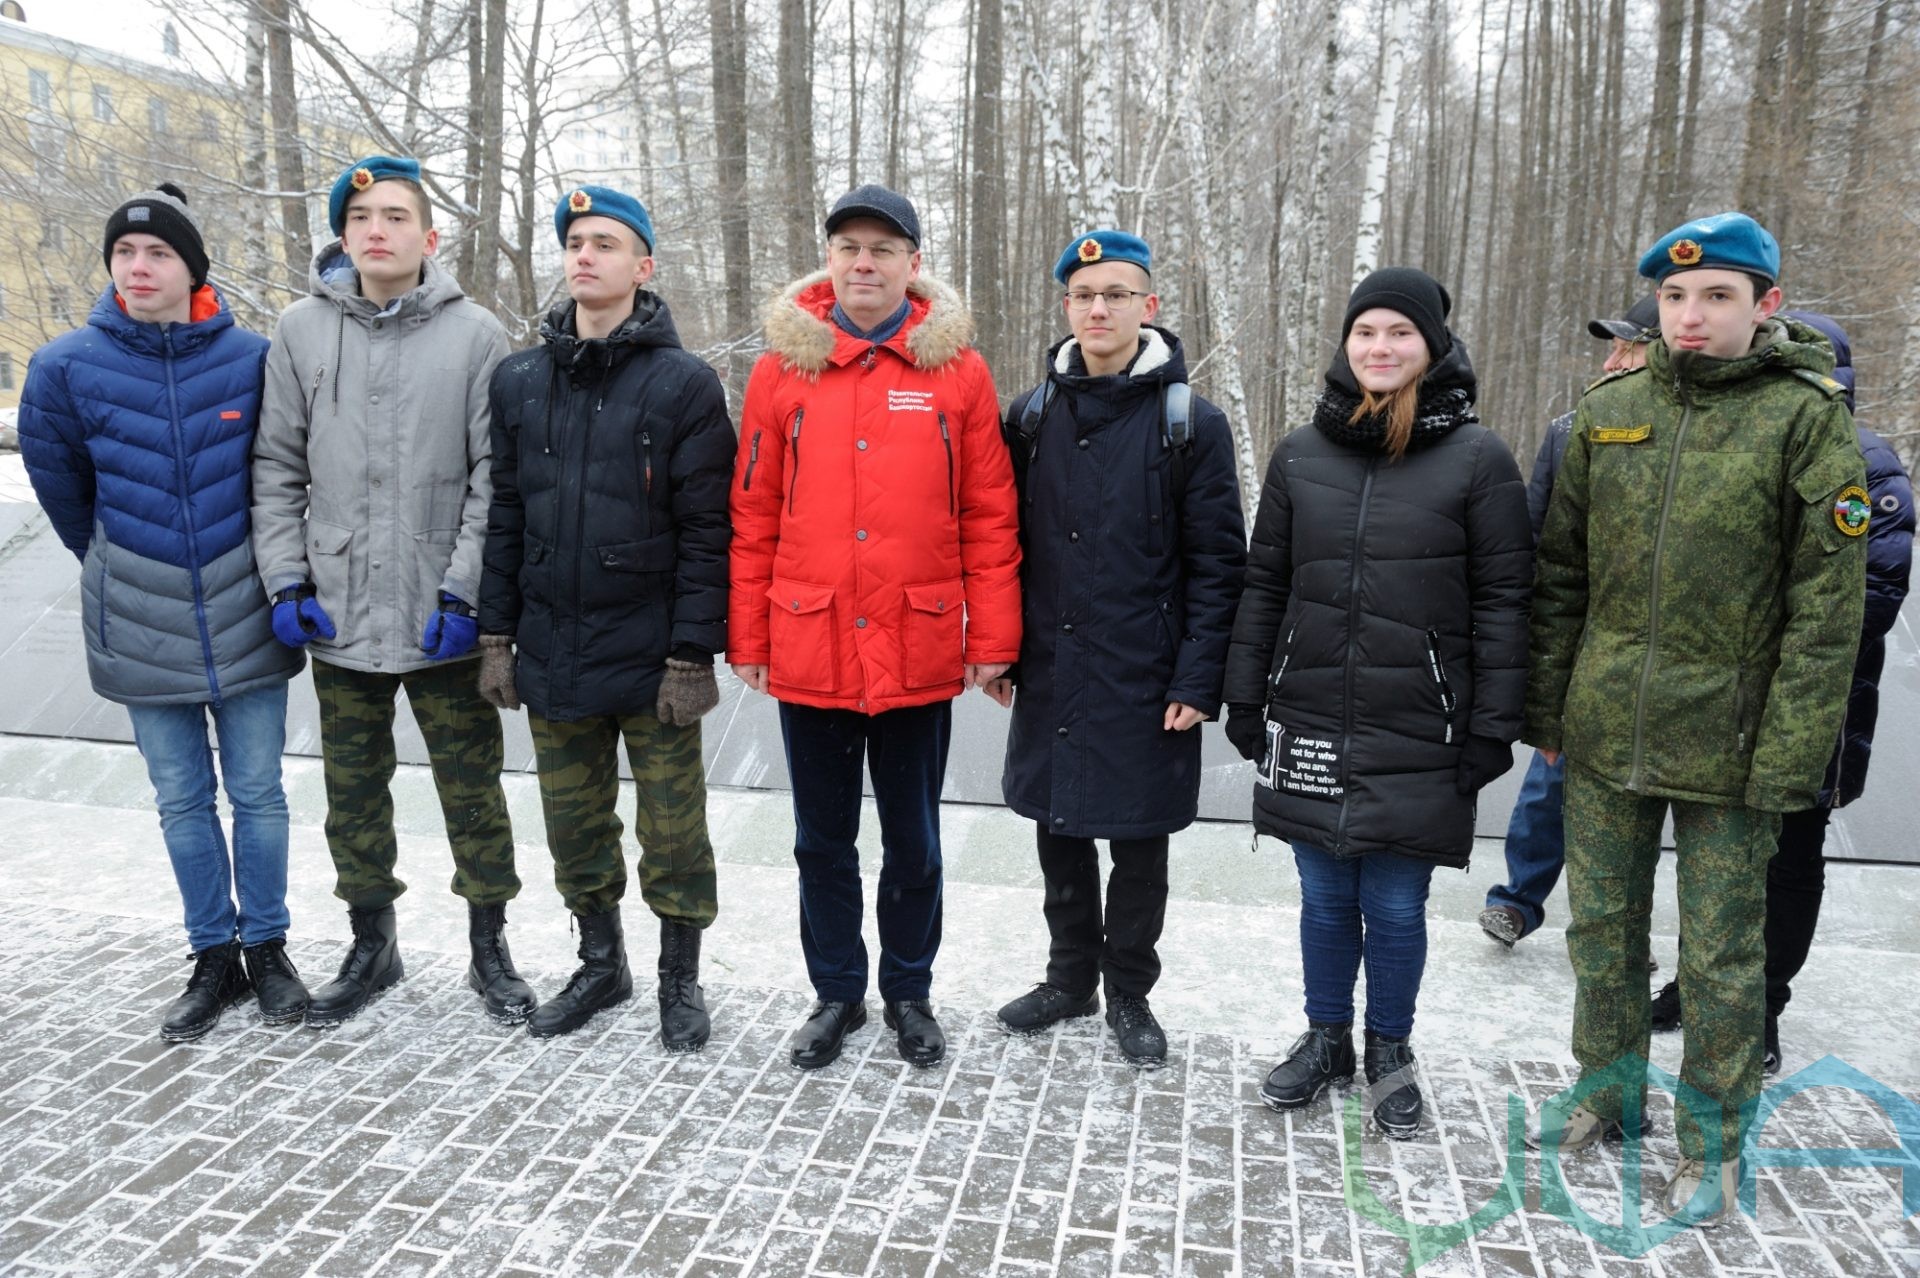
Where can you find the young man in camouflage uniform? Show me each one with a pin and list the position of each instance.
(369, 511)
(607, 564)
(1697, 603)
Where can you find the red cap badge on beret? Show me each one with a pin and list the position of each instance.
(1685, 252)
(579, 202)
(361, 179)
(1090, 249)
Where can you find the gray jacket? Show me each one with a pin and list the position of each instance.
(370, 471)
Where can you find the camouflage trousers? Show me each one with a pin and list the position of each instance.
(1613, 845)
(462, 733)
(579, 791)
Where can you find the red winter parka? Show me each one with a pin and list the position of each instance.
(873, 509)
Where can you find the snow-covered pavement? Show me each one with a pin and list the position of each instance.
(420, 1138)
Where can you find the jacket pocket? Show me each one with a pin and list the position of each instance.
(106, 588)
(330, 561)
(1437, 669)
(802, 640)
(629, 571)
(934, 651)
(1280, 669)
(753, 462)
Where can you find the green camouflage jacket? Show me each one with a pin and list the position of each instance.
(1701, 576)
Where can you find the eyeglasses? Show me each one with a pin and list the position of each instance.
(882, 254)
(1117, 299)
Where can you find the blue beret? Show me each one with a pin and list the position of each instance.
(602, 201)
(361, 175)
(1726, 241)
(1103, 246)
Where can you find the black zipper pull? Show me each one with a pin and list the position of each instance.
(646, 450)
(946, 441)
(793, 487)
(753, 459)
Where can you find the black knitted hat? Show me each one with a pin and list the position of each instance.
(163, 213)
(1412, 293)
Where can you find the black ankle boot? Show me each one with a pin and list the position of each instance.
(684, 1026)
(1393, 1090)
(601, 980)
(282, 994)
(372, 964)
(1322, 1055)
(218, 980)
(491, 974)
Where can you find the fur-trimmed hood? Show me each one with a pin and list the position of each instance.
(800, 328)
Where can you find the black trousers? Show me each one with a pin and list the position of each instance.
(1085, 947)
(1796, 880)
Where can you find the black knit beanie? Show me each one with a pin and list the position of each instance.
(1412, 293)
(161, 213)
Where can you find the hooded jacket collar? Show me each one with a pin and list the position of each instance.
(1780, 343)
(1159, 359)
(800, 328)
(158, 339)
(333, 277)
(650, 325)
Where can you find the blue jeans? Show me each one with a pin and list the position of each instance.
(1372, 906)
(180, 763)
(1536, 842)
(906, 751)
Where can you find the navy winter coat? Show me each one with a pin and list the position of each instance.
(137, 439)
(1123, 611)
(1889, 557)
(607, 535)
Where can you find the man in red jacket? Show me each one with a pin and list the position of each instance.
(875, 576)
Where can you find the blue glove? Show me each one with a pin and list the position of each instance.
(452, 631)
(298, 616)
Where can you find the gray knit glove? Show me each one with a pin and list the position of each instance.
(687, 691)
(496, 671)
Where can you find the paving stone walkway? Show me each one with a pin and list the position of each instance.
(422, 1139)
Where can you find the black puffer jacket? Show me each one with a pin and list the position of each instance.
(607, 536)
(1385, 612)
(1122, 611)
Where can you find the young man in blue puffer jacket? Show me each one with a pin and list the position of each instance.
(136, 431)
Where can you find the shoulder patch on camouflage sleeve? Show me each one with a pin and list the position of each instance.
(1828, 386)
(1611, 377)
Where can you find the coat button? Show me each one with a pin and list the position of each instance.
(376, 483)
(1086, 443)
(376, 563)
(1067, 629)
(860, 444)
(1073, 536)
(373, 399)
(796, 605)
(861, 535)
(1061, 731)
(860, 622)
(1059, 820)
(940, 606)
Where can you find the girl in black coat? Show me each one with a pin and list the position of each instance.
(1377, 667)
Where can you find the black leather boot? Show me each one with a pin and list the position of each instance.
(916, 1032)
(684, 1026)
(601, 980)
(1322, 1055)
(372, 964)
(218, 980)
(491, 974)
(277, 984)
(1391, 1086)
(817, 1043)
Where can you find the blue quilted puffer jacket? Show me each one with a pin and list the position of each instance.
(137, 438)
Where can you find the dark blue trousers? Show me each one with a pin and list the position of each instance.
(906, 752)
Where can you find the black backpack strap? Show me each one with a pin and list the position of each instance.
(1176, 417)
(1022, 429)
